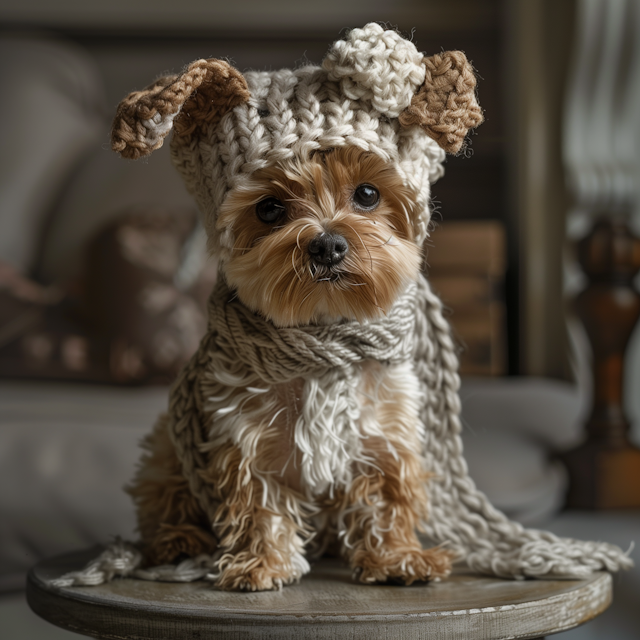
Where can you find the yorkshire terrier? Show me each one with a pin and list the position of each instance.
(314, 186)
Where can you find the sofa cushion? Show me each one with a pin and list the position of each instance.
(66, 451)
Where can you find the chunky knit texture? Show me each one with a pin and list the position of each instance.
(445, 106)
(144, 118)
(460, 516)
(374, 91)
(376, 65)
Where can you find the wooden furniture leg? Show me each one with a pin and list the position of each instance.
(604, 471)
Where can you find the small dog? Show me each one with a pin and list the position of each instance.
(314, 186)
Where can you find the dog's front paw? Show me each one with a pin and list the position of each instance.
(402, 566)
(243, 572)
(175, 541)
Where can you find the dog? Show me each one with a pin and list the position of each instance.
(314, 189)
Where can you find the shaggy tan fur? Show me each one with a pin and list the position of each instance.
(269, 265)
(170, 520)
(287, 434)
(386, 504)
(373, 524)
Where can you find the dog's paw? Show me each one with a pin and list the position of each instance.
(244, 573)
(403, 566)
(173, 542)
(259, 579)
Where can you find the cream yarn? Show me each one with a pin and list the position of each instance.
(378, 66)
(374, 91)
(460, 517)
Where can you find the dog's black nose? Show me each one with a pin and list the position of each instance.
(328, 249)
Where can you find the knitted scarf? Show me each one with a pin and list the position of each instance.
(248, 350)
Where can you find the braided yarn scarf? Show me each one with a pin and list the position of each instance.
(245, 350)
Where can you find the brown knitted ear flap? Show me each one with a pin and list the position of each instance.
(196, 100)
(445, 105)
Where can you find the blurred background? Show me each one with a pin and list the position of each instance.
(104, 276)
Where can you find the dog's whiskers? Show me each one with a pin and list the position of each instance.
(371, 271)
(306, 226)
(293, 263)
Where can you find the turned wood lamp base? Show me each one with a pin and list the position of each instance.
(603, 478)
(604, 472)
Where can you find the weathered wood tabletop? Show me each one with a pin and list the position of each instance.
(326, 604)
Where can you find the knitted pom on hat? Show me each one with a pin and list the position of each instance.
(377, 65)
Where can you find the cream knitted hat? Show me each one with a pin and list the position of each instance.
(374, 91)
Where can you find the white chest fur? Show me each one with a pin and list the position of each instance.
(312, 433)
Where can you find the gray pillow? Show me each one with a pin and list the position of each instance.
(511, 427)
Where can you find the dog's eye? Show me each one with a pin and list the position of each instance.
(269, 209)
(366, 197)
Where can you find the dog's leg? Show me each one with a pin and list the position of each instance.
(387, 500)
(260, 521)
(383, 509)
(170, 520)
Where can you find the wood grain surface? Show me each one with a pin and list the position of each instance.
(326, 604)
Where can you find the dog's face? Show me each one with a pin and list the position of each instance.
(322, 240)
(334, 235)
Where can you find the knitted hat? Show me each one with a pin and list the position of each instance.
(374, 91)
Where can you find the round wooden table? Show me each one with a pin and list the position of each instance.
(326, 604)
